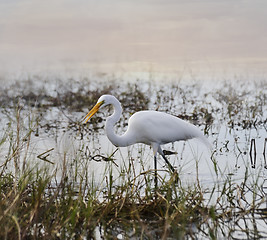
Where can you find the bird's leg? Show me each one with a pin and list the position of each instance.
(155, 147)
(166, 160)
(156, 174)
(169, 164)
(175, 175)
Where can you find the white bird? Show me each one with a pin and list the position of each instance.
(149, 127)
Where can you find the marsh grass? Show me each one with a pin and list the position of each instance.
(60, 198)
(38, 206)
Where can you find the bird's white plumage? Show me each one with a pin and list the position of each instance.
(148, 127)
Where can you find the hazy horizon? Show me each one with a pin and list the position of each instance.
(157, 35)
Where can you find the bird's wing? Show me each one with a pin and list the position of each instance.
(159, 127)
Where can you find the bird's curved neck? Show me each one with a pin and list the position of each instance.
(119, 141)
(115, 117)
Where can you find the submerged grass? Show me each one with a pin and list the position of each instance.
(59, 198)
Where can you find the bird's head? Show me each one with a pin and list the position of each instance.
(103, 101)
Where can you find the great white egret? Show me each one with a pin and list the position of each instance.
(149, 127)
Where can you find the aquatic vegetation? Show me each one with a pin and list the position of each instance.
(51, 186)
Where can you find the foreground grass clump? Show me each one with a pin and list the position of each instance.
(34, 206)
(37, 205)
(33, 209)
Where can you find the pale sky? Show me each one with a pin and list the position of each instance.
(160, 33)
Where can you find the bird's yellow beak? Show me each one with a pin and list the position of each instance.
(93, 111)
